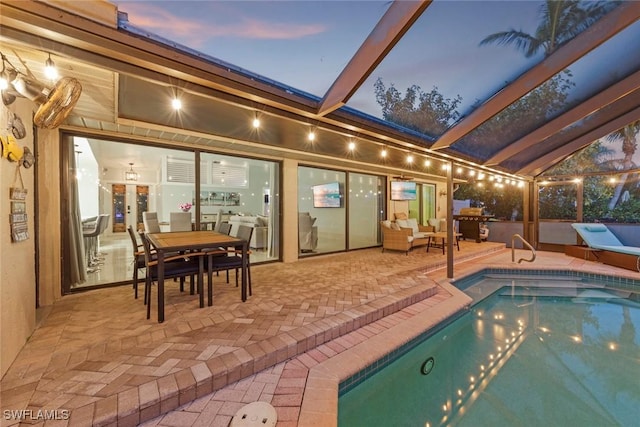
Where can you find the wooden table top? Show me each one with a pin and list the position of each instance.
(191, 240)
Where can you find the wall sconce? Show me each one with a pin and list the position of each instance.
(442, 193)
(130, 175)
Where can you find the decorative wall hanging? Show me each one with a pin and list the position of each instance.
(18, 216)
(10, 150)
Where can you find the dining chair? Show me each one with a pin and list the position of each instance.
(180, 221)
(138, 259)
(150, 221)
(225, 228)
(175, 266)
(229, 259)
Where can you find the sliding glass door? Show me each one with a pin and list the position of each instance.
(109, 185)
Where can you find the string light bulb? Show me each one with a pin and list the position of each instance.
(383, 153)
(256, 121)
(352, 146)
(50, 70)
(312, 136)
(176, 104)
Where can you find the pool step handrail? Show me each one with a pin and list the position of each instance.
(524, 242)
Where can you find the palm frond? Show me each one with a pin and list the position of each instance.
(522, 41)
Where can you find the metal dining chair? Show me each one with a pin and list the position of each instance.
(229, 259)
(138, 259)
(175, 266)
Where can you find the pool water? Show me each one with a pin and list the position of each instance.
(533, 355)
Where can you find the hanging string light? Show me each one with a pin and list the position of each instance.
(50, 70)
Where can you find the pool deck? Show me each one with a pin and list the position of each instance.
(309, 325)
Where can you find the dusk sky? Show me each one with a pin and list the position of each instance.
(306, 44)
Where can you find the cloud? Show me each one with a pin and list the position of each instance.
(194, 32)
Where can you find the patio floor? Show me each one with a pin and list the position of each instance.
(98, 361)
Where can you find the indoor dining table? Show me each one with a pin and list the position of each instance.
(188, 241)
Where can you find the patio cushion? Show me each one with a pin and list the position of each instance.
(596, 228)
(400, 215)
(597, 235)
(412, 223)
(435, 223)
(386, 223)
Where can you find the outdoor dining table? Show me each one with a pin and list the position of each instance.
(188, 241)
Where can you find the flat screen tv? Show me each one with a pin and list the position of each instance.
(327, 195)
(403, 190)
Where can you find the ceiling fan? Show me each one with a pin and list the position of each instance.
(54, 104)
(402, 178)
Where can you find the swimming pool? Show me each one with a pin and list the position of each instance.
(536, 351)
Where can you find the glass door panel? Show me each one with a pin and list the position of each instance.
(119, 199)
(142, 204)
(365, 209)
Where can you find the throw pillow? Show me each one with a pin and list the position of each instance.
(400, 215)
(413, 224)
(386, 224)
(435, 223)
(403, 223)
(395, 226)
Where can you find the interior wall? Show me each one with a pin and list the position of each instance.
(17, 260)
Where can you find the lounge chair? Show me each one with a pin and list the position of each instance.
(610, 249)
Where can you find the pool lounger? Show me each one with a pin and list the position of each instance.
(611, 250)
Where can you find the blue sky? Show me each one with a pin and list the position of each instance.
(306, 44)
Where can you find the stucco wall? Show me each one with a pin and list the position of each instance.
(17, 260)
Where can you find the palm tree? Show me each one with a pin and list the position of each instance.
(561, 20)
(629, 146)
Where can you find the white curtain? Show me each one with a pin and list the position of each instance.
(77, 260)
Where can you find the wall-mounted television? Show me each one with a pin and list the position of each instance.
(327, 195)
(403, 190)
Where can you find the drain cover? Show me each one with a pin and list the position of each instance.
(255, 414)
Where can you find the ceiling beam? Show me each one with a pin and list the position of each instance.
(392, 26)
(550, 159)
(611, 24)
(590, 106)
